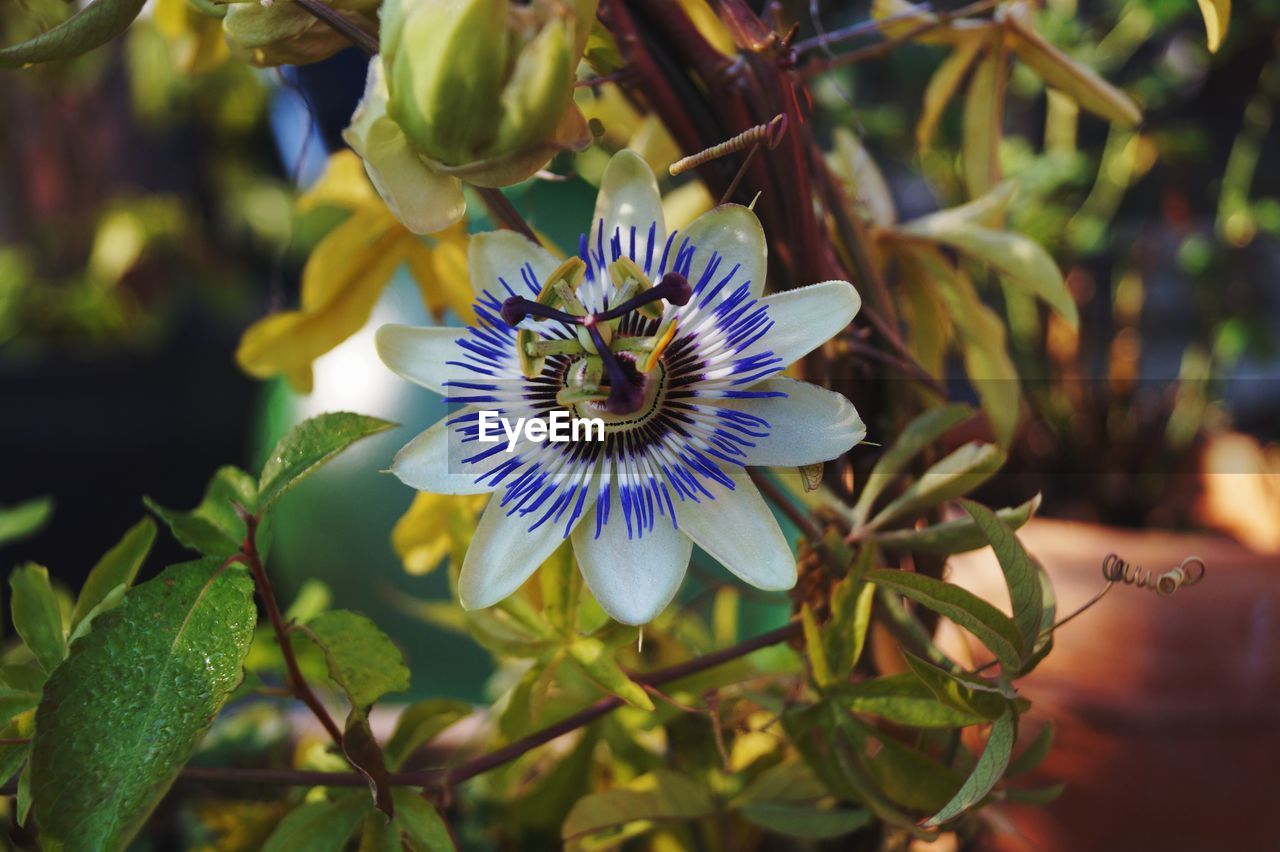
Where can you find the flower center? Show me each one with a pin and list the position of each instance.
(614, 378)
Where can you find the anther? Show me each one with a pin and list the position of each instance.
(673, 287)
(516, 308)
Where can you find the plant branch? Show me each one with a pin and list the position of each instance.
(505, 213)
(297, 683)
(367, 42)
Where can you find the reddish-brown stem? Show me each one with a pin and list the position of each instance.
(367, 42)
(297, 683)
(505, 213)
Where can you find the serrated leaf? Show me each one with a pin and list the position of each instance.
(1020, 261)
(25, 519)
(117, 567)
(419, 724)
(961, 471)
(943, 86)
(93, 26)
(362, 660)
(805, 821)
(213, 527)
(904, 699)
(662, 795)
(1074, 79)
(958, 536)
(1020, 573)
(594, 658)
(969, 694)
(918, 434)
(307, 446)
(319, 826)
(126, 709)
(986, 772)
(992, 627)
(1217, 17)
(984, 119)
(1032, 755)
(36, 616)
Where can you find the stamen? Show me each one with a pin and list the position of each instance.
(660, 345)
(673, 287)
(515, 309)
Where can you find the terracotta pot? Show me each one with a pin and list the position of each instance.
(1167, 708)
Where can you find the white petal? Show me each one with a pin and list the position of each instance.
(738, 529)
(629, 198)
(423, 355)
(633, 578)
(734, 232)
(810, 424)
(807, 317)
(424, 200)
(432, 461)
(503, 254)
(504, 552)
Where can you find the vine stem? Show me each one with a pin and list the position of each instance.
(447, 777)
(367, 42)
(505, 212)
(249, 556)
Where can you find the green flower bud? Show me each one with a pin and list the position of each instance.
(483, 88)
(280, 32)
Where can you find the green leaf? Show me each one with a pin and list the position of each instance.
(910, 777)
(1048, 618)
(845, 633)
(805, 821)
(790, 781)
(1040, 796)
(561, 583)
(958, 536)
(984, 119)
(919, 434)
(213, 527)
(992, 627)
(419, 724)
(13, 755)
(362, 660)
(318, 826)
(1021, 575)
(36, 616)
(125, 711)
(109, 601)
(362, 752)
(904, 699)
(15, 701)
(307, 446)
(1033, 754)
(593, 657)
(815, 649)
(118, 567)
(662, 795)
(93, 26)
(969, 694)
(24, 519)
(963, 470)
(986, 772)
(420, 824)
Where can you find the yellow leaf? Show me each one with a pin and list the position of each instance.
(342, 280)
(984, 120)
(440, 271)
(197, 40)
(1063, 73)
(862, 179)
(423, 536)
(593, 657)
(902, 19)
(1217, 15)
(943, 86)
(1019, 260)
(343, 184)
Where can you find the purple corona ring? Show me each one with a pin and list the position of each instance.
(669, 340)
